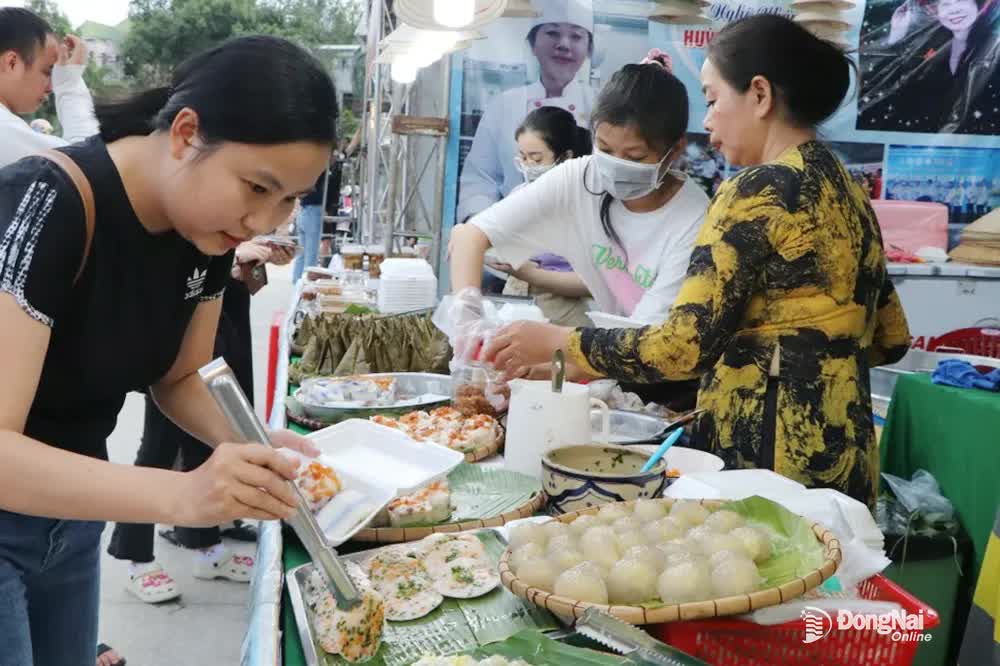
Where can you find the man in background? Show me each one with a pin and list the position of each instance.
(33, 64)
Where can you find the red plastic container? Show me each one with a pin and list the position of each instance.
(726, 642)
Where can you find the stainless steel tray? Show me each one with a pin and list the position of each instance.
(629, 427)
(295, 580)
(407, 384)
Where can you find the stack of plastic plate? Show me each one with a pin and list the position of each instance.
(406, 285)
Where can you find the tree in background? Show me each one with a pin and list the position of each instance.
(348, 124)
(165, 32)
(311, 22)
(95, 75)
(49, 11)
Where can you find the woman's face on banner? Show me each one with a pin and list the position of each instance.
(957, 15)
(561, 49)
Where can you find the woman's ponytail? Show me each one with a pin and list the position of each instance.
(256, 89)
(131, 116)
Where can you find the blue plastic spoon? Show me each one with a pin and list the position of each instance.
(667, 443)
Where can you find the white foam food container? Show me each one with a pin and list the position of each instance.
(376, 464)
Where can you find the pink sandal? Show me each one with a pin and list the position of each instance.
(152, 584)
(234, 567)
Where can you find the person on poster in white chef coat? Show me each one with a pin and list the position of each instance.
(562, 40)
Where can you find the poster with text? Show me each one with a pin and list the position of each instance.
(866, 36)
(956, 177)
(928, 84)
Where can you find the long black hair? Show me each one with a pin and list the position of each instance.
(256, 90)
(650, 100)
(810, 76)
(558, 129)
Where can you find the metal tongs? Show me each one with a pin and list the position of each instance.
(623, 638)
(234, 404)
(679, 423)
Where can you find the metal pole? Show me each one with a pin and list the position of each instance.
(396, 168)
(373, 86)
(437, 223)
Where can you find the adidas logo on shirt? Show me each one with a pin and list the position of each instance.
(196, 284)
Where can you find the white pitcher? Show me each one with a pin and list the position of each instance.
(540, 418)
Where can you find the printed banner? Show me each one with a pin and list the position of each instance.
(920, 122)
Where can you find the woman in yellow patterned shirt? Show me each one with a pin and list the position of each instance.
(787, 304)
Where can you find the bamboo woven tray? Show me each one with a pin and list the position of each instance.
(698, 610)
(405, 534)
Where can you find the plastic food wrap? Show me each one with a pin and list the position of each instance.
(470, 323)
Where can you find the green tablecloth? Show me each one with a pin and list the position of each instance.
(955, 435)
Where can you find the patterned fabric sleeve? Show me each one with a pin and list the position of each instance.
(892, 334)
(723, 274)
(42, 235)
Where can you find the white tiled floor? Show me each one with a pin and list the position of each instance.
(206, 626)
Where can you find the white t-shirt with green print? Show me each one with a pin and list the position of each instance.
(557, 214)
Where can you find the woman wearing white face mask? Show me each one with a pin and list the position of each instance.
(547, 137)
(622, 218)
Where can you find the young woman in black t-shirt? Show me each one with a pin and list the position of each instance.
(180, 177)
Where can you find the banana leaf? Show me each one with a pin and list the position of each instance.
(457, 625)
(539, 650)
(795, 549)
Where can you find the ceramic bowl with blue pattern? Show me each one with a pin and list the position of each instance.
(582, 476)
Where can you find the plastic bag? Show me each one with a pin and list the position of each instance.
(921, 495)
(470, 322)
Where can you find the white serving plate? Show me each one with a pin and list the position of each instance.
(687, 460)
